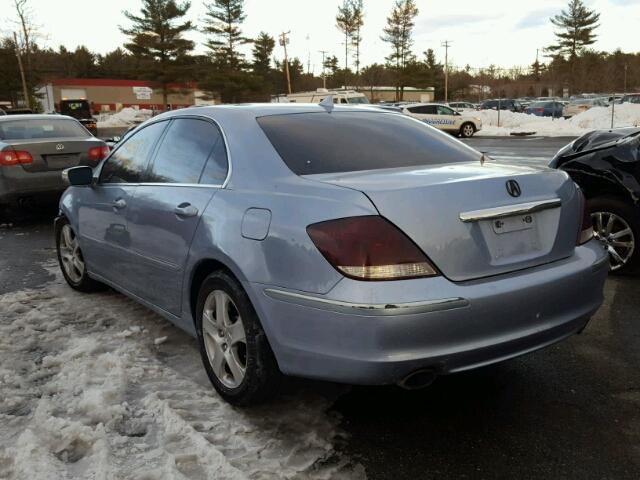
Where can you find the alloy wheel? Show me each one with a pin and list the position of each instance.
(224, 339)
(71, 255)
(467, 130)
(616, 236)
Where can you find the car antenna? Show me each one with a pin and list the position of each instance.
(327, 103)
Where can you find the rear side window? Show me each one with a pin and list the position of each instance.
(128, 162)
(41, 128)
(311, 143)
(184, 151)
(424, 109)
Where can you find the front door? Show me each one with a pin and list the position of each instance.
(188, 168)
(104, 233)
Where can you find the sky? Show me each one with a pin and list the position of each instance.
(482, 32)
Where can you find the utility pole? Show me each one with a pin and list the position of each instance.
(25, 90)
(446, 44)
(283, 42)
(626, 66)
(324, 75)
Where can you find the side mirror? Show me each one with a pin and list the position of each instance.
(78, 176)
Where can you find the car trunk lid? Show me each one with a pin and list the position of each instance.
(50, 155)
(464, 218)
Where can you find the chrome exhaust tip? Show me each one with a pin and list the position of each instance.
(419, 379)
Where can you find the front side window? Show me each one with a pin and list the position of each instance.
(42, 128)
(128, 162)
(311, 143)
(183, 153)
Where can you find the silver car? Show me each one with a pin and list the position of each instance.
(348, 244)
(34, 149)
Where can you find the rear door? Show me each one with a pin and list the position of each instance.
(104, 233)
(190, 165)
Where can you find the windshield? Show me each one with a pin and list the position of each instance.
(311, 143)
(357, 99)
(41, 128)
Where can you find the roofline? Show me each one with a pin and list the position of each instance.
(113, 82)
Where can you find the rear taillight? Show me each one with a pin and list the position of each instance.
(9, 157)
(369, 248)
(586, 228)
(98, 153)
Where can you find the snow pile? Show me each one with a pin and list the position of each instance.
(626, 115)
(78, 399)
(125, 118)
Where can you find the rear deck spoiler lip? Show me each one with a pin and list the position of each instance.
(509, 210)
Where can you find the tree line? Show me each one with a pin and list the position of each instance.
(158, 51)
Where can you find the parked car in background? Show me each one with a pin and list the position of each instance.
(81, 111)
(466, 107)
(19, 111)
(525, 101)
(34, 149)
(631, 98)
(502, 104)
(577, 106)
(363, 247)
(2, 112)
(444, 118)
(545, 109)
(606, 166)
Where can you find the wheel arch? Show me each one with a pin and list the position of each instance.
(200, 271)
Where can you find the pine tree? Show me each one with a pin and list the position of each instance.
(222, 22)
(398, 33)
(157, 37)
(577, 25)
(262, 50)
(357, 9)
(345, 23)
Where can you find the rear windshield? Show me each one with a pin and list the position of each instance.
(41, 128)
(75, 108)
(311, 143)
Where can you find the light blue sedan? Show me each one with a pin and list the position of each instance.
(340, 243)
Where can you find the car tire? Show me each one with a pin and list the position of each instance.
(467, 130)
(234, 348)
(71, 260)
(621, 236)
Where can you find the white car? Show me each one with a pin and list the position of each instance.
(444, 118)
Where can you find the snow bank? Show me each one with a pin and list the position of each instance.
(79, 400)
(626, 115)
(124, 118)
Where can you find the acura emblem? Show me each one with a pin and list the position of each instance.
(513, 188)
(59, 146)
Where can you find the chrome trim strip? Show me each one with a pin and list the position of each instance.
(509, 210)
(367, 309)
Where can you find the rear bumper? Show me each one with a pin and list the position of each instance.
(17, 184)
(379, 332)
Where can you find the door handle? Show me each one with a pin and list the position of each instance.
(119, 204)
(186, 210)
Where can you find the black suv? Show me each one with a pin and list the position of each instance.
(606, 166)
(81, 111)
(503, 104)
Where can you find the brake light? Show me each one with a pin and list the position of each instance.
(369, 248)
(9, 157)
(98, 153)
(586, 228)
